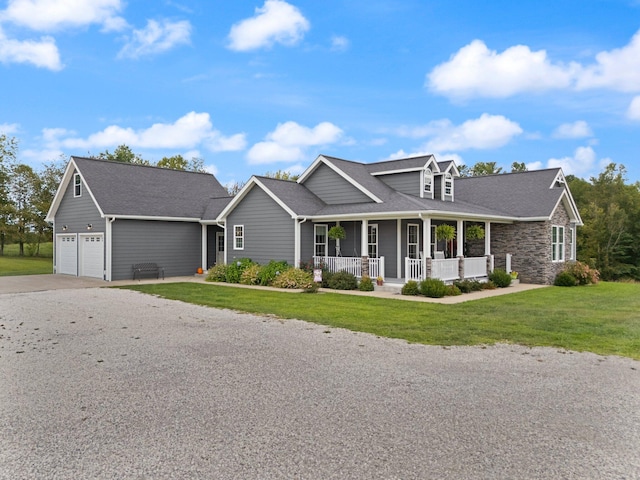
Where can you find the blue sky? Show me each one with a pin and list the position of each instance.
(257, 86)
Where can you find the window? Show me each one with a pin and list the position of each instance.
(413, 239)
(572, 243)
(428, 183)
(238, 237)
(372, 241)
(434, 242)
(320, 240)
(557, 243)
(77, 185)
(448, 185)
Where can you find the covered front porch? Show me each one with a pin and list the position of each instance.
(406, 249)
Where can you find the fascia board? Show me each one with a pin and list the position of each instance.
(148, 217)
(239, 196)
(304, 175)
(273, 197)
(413, 214)
(399, 170)
(62, 188)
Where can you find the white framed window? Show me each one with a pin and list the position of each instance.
(238, 237)
(77, 185)
(448, 185)
(372, 240)
(572, 243)
(320, 240)
(557, 243)
(413, 240)
(427, 183)
(434, 242)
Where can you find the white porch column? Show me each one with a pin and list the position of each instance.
(426, 238)
(460, 238)
(399, 248)
(364, 244)
(204, 248)
(487, 238)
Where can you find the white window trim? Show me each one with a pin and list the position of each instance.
(424, 193)
(326, 239)
(572, 243)
(237, 237)
(77, 183)
(370, 226)
(557, 247)
(448, 179)
(417, 243)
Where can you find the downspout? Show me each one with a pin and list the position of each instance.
(109, 247)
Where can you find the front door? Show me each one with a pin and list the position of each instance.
(219, 247)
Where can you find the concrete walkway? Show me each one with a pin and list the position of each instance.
(41, 283)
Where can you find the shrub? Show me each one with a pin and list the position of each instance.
(217, 273)
(453, 291)
(235, 269)
(343, 281)
(500, 277)
(410, 288)
(326, 277)
(251, 275)
(583, 274)
(467, 286)
(565, 279)
(488, 285)
(296, 278)
(271, 270)
(366, 284)
(433, 287)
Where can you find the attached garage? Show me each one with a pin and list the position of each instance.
(67, 254)
(91, 255)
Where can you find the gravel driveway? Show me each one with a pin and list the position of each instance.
(104, 383)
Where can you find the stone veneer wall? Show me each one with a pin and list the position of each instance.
(530, 246)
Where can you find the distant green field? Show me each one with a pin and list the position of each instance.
(12, 264)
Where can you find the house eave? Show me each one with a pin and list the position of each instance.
(151, 217)
(416, 213)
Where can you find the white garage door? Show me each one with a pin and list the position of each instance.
(67, 254)
(92, 256)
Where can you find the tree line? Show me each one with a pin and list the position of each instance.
(608, 203)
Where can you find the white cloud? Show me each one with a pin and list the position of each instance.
(618, 69)
(582, 162)
(276, 22)
(9, 128)
(288, 141)
(634, 109)
(188, 132)
(52, 15)
(579, 129)
(156, 37)
(477, 71)
(339, 43)
(486, 132)
(43, 53)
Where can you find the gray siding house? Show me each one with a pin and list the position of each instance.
(390, 212)
(108, 216)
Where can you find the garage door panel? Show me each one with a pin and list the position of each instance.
(67, 252)
(92, 256)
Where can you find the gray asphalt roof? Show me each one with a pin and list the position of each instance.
(401, 164)
(294, 195)
(138, 190)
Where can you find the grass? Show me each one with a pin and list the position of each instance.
(12, 264)
(603, 319)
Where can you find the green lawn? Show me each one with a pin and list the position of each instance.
(603, 318)
(12, 264)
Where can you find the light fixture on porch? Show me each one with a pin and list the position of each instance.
(64, 228)
(89, 226)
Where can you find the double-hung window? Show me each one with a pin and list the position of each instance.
(448, 185)
(77, 185)
(372, 241)
(320, 240)
(413, 240)
(427, 182)
(557, 243)
(238, 237)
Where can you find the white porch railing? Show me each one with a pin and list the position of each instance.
(352, 265)
(445, 270)
(413, 269)
(475, 267)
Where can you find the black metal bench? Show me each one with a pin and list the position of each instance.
(147, 269)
